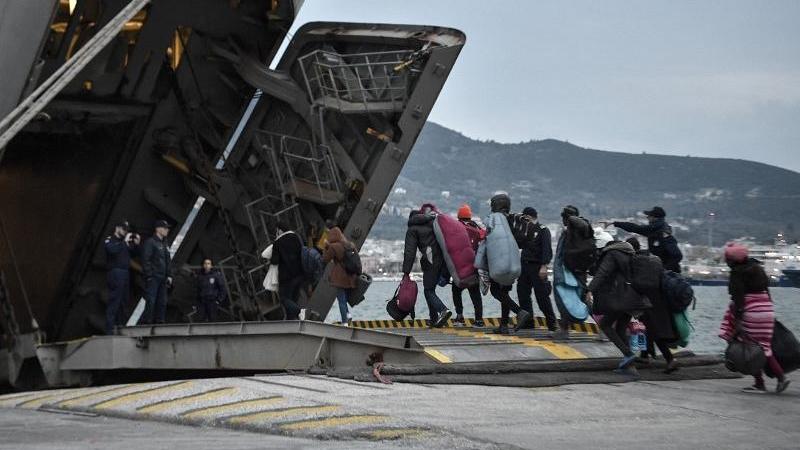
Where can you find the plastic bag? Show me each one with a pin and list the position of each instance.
(271, 280)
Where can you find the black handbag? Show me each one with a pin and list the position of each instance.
(785, 348)
(744, 356)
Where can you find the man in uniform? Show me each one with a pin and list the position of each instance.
(155, 264)
(119, 248)
(210, 291)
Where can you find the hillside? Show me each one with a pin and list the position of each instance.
(449, 169)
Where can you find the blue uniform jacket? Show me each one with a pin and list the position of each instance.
(119, 252)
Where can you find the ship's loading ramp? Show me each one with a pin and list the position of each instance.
(146, 123)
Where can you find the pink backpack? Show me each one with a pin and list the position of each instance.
(407, 294)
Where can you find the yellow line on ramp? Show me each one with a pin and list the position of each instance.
(138, 395)
(329, 422)
(91, 395)
(189, 399)
(280, 413)
(221, 410)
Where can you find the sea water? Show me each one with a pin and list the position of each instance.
(706, 317)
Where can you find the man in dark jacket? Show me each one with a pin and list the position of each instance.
(502, 203)
(120, 246)
(613, 271)
(155, 264)
(419, 236)
(569, 242)
(660, 241)
(210, 291)
(286, 254)
(537, 252)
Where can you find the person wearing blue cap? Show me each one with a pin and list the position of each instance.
(155, 265)
(119, 247)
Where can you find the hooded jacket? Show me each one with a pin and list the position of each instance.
(747, 277)
(615, 263)
(286, 254)
(338, 276)
(420, 236)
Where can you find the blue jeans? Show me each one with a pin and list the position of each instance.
(155, 296)
(118, 292)
(435, 305)
(343, 295)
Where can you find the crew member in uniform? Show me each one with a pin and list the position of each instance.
(120, 246)
(155, 264)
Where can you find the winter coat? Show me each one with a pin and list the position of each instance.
(210, 286)
(119, 252)
(286, 253)
(155, 258)
(576, 225)
(613, 270)
(660, 241)
(746, 278)
(420, 237)
(338, 276)
(658, 319)
(540, 249)
(475, 232)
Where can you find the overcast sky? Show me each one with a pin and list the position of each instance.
(702, 78)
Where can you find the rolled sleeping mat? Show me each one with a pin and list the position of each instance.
(358, 293)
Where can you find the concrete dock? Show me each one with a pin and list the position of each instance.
(310, 411)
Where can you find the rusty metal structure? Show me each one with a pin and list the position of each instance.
(168, 109)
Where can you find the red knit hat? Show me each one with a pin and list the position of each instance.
(735, 253)
(465, 212)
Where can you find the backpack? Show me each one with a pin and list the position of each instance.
(311, 261)
(677, 291)
(351, 261)
(524, 229)
(580, 252)
(646, 273)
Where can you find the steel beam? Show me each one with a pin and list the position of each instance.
(225, 347)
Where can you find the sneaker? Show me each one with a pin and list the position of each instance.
(459, 321)
(626, 361)
(524, 320)
(754, 389)
(782, 385)
(672, 366)
(502, 329)
(443, 318)
(478, 323)
(561, 335)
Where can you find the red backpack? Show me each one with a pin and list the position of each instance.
(402, 302)
(407, 294)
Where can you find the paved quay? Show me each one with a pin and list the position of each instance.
(309, 411)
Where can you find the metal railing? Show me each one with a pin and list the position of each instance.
(303, 161)
(265, 213)
(359, 81)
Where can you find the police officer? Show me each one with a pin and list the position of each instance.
(120, 246)
(155, 265)
(537, 252)
(210, 291)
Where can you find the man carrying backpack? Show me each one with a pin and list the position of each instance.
(344, 280)
(476, 235)
(537, 252)
(575, 253)
(287, 255)
(660, 241)
(420, 236)
(501, 204)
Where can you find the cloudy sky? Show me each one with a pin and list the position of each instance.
(702, 78)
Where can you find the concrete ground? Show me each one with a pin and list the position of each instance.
(305, 411)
